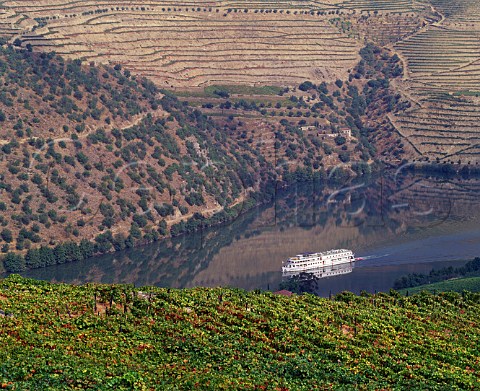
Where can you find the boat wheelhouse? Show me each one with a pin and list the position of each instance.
(308, 261)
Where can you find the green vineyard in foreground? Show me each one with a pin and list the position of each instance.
(120, 337)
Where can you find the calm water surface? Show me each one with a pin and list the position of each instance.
(398, 223)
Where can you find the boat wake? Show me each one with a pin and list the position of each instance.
(375, 256)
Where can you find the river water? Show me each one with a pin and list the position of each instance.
(398, 223)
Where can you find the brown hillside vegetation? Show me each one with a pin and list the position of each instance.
(163, 162)
(44, 96)
(190, 48)
(118, 157)
(348, 114)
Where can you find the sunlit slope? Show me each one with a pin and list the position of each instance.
(196, 43)
(183, 45)
(443, 77)
(460, 10)
(75, 139)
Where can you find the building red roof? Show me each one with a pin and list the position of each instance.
(283, 292)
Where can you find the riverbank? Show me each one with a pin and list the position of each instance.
(459, 285)
(111, 241)
(107, 242)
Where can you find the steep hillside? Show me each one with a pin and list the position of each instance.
(123, 164)
(178, 44)
(316, 125)
(44, 96)
(117, 158)
(442, 77)
(120, 337)
(185, 44)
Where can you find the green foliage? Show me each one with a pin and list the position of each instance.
(103, 242)
(6, 235)
(301, 283)
(344, 156)
(13, 263)
(306, 85)
(446, 273)
(194, 198)
(120, 337)
(471, 284)
(211, 91)
(340, 140)
(62, 253)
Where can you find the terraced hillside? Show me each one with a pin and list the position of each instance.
(70, 129)
(280, 43)
(443, 78)
(316, 124)
(383, 6)
(430, 201)
(381, 28)
(193, 44)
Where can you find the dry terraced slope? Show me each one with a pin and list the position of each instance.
(283, 43)
(120, 158)
(197, 43)
(192, 46)
(443, 78)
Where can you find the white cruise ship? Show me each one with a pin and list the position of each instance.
(308, 261)
(324, 272)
